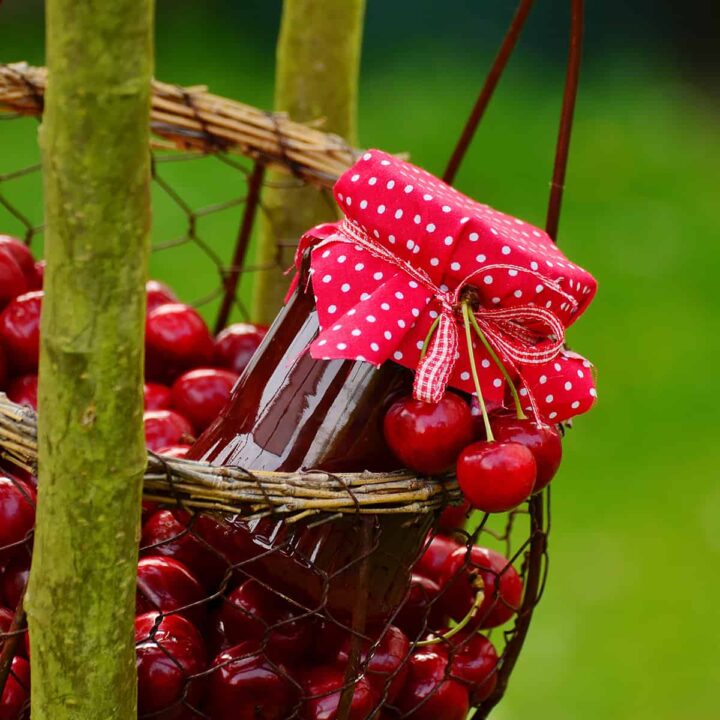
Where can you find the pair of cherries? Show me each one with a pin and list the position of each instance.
(495, 475)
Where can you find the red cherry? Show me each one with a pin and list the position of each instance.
(176, 339)
(253, 612)
(6, 620)
(473, 662)
(453, 517)
(236, 344)
(491, 407)
(165, 427)
(177, 534)
(422, 610)
(437, 552)
(428, 694)
(148, 509)
(201, 394)
(166, 585)
(322, 688)
(17, 511)
(23, 390)
(157, 397)
(544, 441)
(14, 579)
(169, 652)
(174, 451)
(245, 686)
(425, 437)
(386, 669)
(12, 280)
(17, 690)
(496, 476)
(500, 583)
(37, 279)
(158, 294)
(20, 331)
(20, 252)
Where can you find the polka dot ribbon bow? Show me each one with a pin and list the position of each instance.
(389, 280)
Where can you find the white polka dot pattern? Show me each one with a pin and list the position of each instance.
(382, 314)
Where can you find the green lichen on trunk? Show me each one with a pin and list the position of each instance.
(94, 140)
(318, 61)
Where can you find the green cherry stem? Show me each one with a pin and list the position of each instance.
(477, 602)
(473, 368)
(516, 398)
(428, 337)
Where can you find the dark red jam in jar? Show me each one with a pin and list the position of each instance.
(289, 412)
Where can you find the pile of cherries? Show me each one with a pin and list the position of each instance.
(189, 374)
(496, 473)
(214, 642)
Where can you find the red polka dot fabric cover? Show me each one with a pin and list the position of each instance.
(407, 247)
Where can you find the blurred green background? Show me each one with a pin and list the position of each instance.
(629, 626)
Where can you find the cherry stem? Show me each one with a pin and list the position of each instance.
(428, 337)
(477, 602)
(516, 398)
(471, 354)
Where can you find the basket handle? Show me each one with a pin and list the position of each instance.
(572, 76)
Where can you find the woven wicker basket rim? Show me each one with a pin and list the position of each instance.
(191, 118)
(256, 493)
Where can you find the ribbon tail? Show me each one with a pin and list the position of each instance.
(433, 372)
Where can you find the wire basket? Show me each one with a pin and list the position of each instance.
(199, 516)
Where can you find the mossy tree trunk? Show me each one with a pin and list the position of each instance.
(94, 140)
(318, 62)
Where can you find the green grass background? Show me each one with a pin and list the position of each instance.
(629, 627)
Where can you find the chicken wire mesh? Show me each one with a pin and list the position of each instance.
(246, 614)
(218, 615)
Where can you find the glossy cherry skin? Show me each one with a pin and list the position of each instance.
(438, 550)
(386, 669)
(166, 585)
(322, 687)
(37, 280)
(176, 339)
(422, 611)
(157, 396)
(496, 476)
(17, 690)
(425, 437)
(427, 694)
(158, 294)
(253, 612)
(473, 661)
(20, 331)
(205, 545)
(236, 344)
(3, 369)
(14, 579)
(453, 517)
(166, 427)
(169, 652)
(23, 390)
(12, 279)
(174, 451)
(17, 511)
(20, 252)
(500, 582)
(544, 441)
(201, 394)
(245, 686)
(6, 619)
